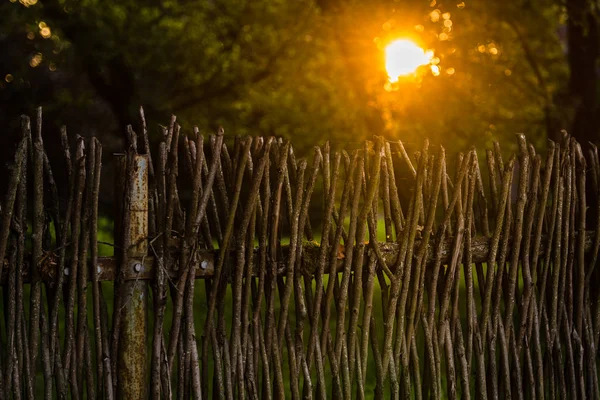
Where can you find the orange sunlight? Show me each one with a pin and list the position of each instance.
(403, 57)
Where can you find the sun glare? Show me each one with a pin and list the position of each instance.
(403, 57)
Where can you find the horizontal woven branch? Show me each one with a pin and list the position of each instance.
(204, 263)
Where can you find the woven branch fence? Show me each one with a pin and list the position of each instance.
(469, 278)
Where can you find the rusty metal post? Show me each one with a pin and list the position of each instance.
(132, 382)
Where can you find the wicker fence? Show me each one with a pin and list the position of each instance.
(462, 279)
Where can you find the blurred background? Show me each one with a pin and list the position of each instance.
(459, 72)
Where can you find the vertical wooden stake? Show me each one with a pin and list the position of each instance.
(132, 358)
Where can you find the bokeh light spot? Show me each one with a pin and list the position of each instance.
(36, 60)
(45, 32)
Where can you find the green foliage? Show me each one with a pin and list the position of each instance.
(308, 70)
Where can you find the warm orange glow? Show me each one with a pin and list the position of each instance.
(403, 57)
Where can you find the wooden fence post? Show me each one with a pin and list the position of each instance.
(132, 357)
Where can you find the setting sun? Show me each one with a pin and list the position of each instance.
(403, 57)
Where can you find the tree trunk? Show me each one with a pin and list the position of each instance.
(583, 52)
